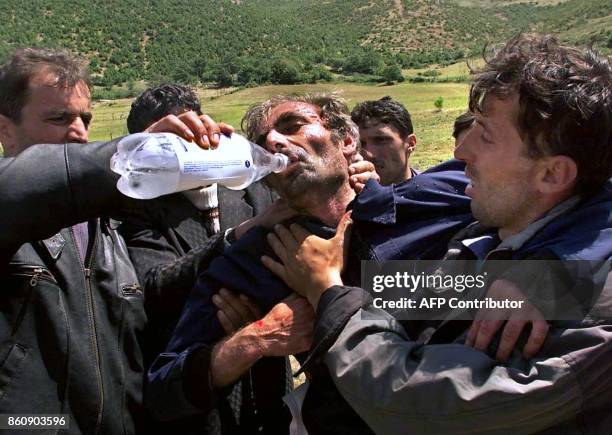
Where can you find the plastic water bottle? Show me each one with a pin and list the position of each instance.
(155, 164)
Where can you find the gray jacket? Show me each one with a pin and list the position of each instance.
(399, 381)
(398, 384)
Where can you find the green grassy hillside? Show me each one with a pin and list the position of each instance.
(433, 128)
(250, 42)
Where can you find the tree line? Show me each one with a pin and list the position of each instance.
(254, 42)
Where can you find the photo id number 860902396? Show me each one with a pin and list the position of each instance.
(34, 421)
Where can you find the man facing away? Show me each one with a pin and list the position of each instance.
(387, 138)
(539, 159)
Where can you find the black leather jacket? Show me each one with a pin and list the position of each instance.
(69, 328)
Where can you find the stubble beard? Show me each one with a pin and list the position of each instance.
(310, 187)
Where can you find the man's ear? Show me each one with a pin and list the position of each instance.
(7, 132)
(558, 175)
(349, 146)
(411, 142)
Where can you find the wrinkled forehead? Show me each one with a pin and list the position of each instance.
(288, 110)
(49, 81)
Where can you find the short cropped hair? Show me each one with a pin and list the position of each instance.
(385, 111)
(565, 101)
(25, 64)
(333, 108)
(155, 103)
(462, 123)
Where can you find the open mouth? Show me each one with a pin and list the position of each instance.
(293, 157)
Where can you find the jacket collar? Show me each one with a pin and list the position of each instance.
(185, 219)
(516, 241)
(233, 208)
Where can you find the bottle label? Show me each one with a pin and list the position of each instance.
(231, 163)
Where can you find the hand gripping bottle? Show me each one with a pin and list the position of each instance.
(155, 164)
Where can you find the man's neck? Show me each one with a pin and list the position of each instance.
(408, 174)
(328, 207)
(552, 207)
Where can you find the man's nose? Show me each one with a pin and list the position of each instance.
(77, 131)
(464, 149)
(275, 141)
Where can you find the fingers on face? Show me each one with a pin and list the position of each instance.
(344, 225)
(356, 185)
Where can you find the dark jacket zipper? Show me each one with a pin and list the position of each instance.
(94, 335)
(35, 273)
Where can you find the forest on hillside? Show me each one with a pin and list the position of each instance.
(253, 42)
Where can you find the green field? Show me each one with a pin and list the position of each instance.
(433, 128)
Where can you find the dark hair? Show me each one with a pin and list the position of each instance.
(565, 101)
(25, 64)
(386, 111)
(155, 103)
(462, 123)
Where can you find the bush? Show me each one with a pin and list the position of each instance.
(431, 73)
(392, 73)
(439, 102)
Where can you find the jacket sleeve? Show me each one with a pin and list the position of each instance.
(395, 382)
(49, 187)
(166, 274)
(179, 384)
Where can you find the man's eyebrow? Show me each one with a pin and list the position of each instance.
(291, 117)
(58, 111)
(381, 135)
(64, 112)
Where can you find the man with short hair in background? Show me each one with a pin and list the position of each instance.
(387, 138)
(462, 126)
